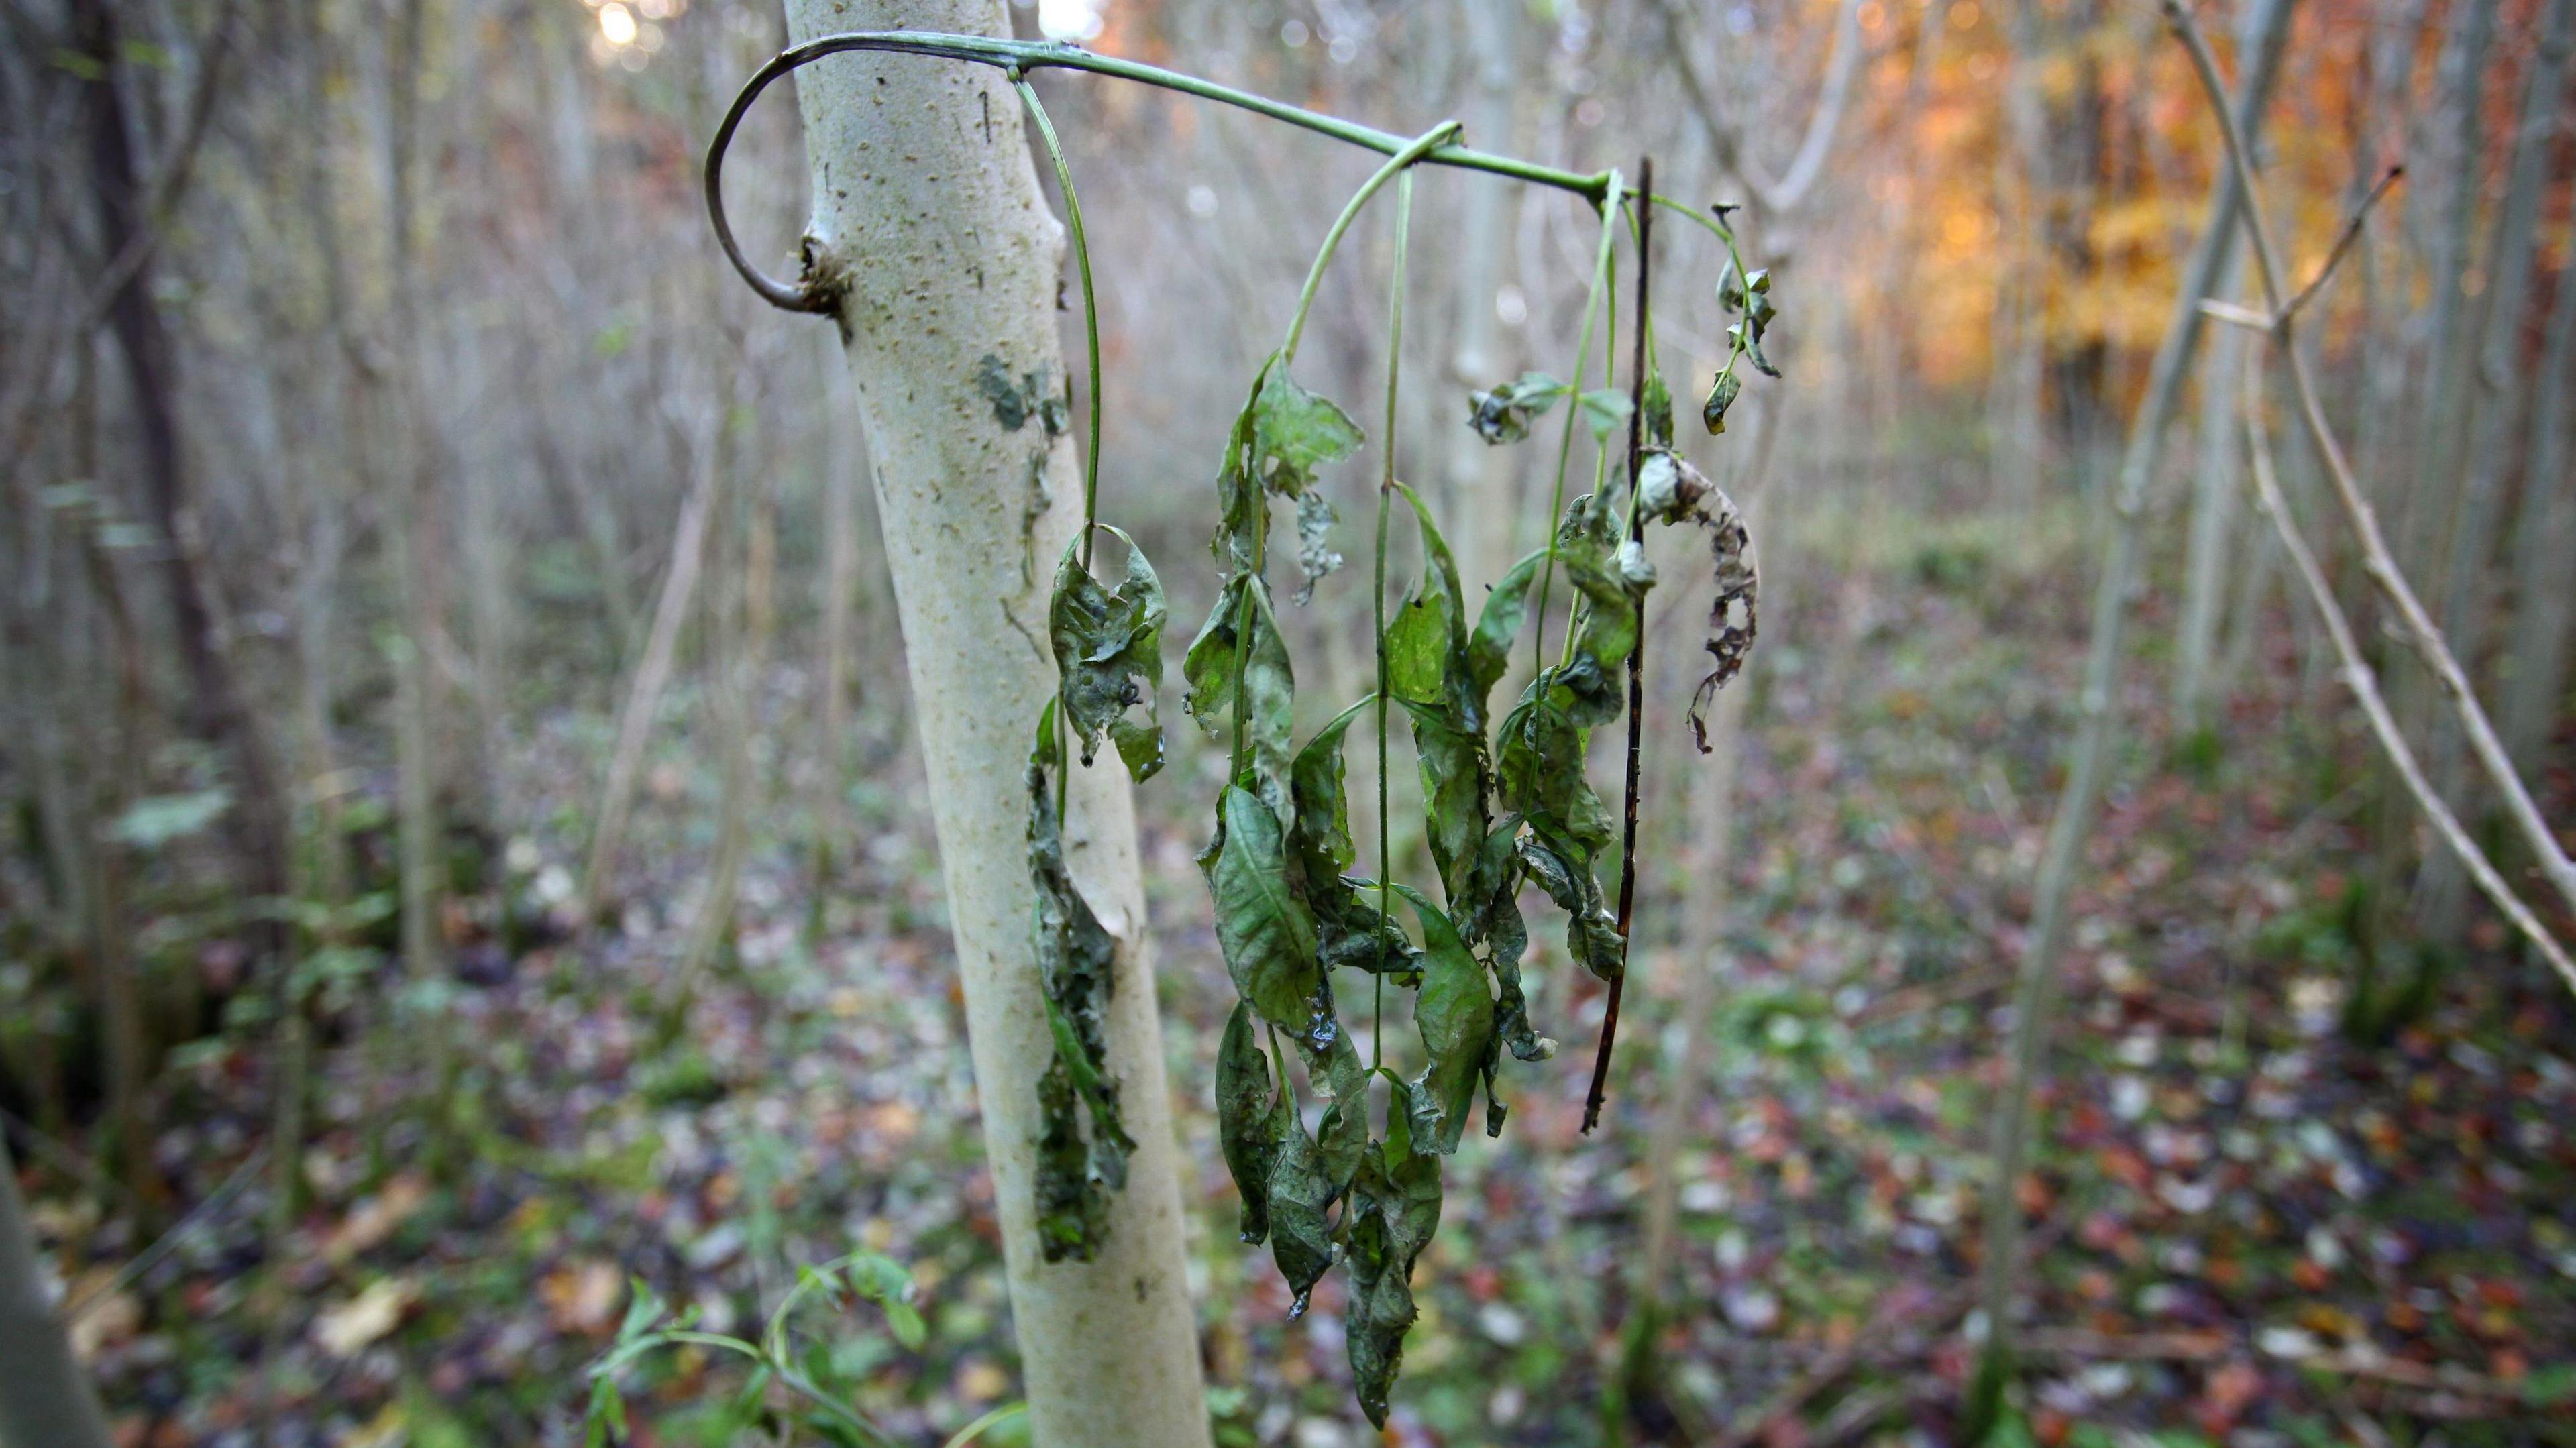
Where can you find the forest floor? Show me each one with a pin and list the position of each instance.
(2254, 1228)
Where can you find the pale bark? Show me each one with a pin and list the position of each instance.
(743, 633)
(652, 673)
(840, 570)
(2493, 394)
(2358, 677)
(46, 1400)
(928, 219)
(1477, 474)
(2545, 538)
(2211, 539)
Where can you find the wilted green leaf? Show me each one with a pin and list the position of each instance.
(1109, 655)
(1455, 1014)
(1503, 414)
(1269, 686)
(1605, 408)
(1301, 1239)
(1659, 409)
(1395, 1209)
(1349, 930)
(1721, 396)
(1592, 933)
(1296, 432)
(1246, 1119)
(1076, 961)
(1263, 924)
(1506, 606)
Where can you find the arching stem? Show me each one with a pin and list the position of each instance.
(1377, 609)
(1574, 406)
(1091, 376)
(1396, 165)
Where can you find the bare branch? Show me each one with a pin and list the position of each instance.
(2379, 562)
(2343, 243)
(2357, 676)
(2234, 315)
(1726, 139)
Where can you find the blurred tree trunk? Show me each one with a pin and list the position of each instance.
(2208, 547)
(1476, 473)
(841, 469)
(256, 824)
(653, 671)
(2545, 538)
(2015, 419)
(739, 632)
(2035, 987)
(45, 1396)
(2494, 392)
(936, 280)
(413, 514)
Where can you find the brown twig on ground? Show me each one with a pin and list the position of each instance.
(2379, 563)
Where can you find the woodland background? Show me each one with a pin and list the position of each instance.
(466, 845)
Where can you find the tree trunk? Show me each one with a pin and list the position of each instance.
(2545, 538)
(1477, 473)
(652, 672)
(928, 219)
(45, 1396)
(2036, 981)
(256, 826)
(2494, 392)
(839, 603)
(2213, 516)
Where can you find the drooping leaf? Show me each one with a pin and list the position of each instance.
(1296, 432)
(1592, 933)
(1395, 1209)
(1300, 1195)
(1323, 807)
(1455, 780)
(1539, 774)
(1109, 656)
(1342, 1136)
(1215, 660)
(1722, 393)
(1417, 648)
(1349, 930)
(1605, 408)
(1487, 912)
(1659, 409)
(1503, 414)
(1076, 959)
(1264, 926)
(1432, 669)
(1506, 606)
(1541, 745)
(1246, 1115)
(1283, 434)
(1454, 1011)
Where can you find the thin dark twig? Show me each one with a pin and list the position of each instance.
(2343, 243)
(1636, 652)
